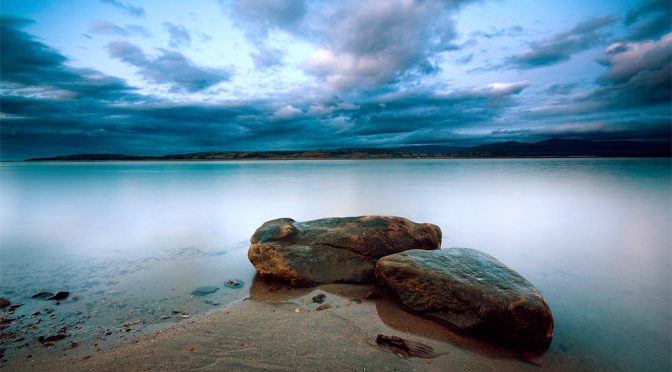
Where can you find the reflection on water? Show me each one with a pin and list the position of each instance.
(133, 240)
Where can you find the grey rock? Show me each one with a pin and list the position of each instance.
(334, 249)
(470, 291)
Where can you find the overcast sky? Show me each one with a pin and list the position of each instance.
(159, 77)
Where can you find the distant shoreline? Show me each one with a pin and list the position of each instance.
(332, 159)
(552, 148)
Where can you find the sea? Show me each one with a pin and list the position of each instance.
(143, 246)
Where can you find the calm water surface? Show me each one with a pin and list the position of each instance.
(134, 239)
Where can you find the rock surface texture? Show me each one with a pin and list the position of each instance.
(332, 250)
(471, 291)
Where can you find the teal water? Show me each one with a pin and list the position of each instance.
(134, 239)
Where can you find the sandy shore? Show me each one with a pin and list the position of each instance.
(267, 332)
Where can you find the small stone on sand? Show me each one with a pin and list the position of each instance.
(319, 298)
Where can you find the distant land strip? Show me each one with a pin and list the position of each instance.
(549, 148)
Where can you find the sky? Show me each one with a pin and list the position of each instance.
(160, 77)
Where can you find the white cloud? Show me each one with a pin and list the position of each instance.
(286, 112)
(508, 88)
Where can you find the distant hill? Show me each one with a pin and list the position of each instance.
(553, 147)
(549, 148)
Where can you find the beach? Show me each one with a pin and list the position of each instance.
(266, 332)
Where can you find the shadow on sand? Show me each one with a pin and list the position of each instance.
(383, 314)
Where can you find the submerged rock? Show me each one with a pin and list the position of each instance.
(44, 340)
(4, 303)
(204, 291)
(59, 296)
(43, 295)
(471, 291)
(334, 249)
(52, 296)
(234, 283)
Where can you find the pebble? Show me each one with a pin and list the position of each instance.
(44, 340)
(4, 303)
(323, 307)
(59, 296)
(234, 283)
(297, 310)
(319, 298)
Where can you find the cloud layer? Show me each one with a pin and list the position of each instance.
(562, 46)
(291, 74)
(361, 44)
(135, 11)
(169, 67)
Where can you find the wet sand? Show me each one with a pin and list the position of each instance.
(265, 331)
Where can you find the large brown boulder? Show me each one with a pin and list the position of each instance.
(471, 291)
(334, 250)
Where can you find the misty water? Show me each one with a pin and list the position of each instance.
(133, 239)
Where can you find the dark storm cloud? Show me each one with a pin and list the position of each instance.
(639, 129)
(43, 126)
(23, 57)
(130, 9)
(50, 108)
(638, 74)
(109, 28)
(563, 46)
(179, 36)
(27, 62)
(426, 110)
(152, 126)
(630, 99)
(636, 83)
(169, 67)
(114, 118)
(650, 20)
